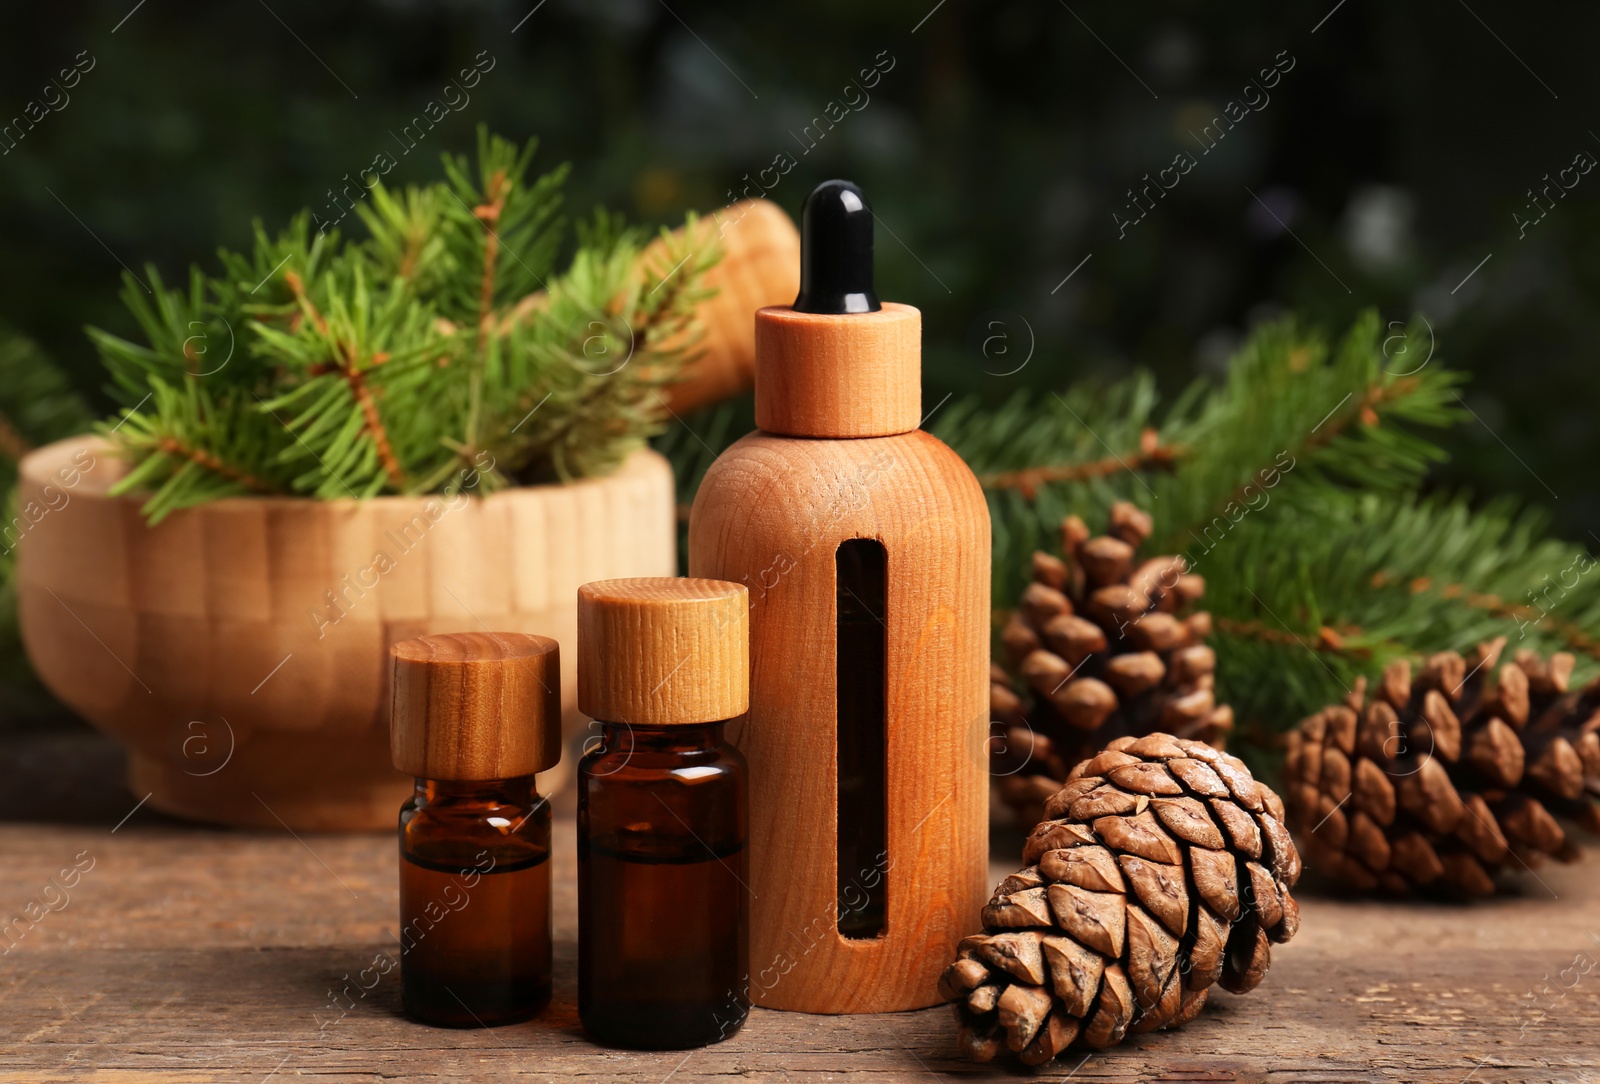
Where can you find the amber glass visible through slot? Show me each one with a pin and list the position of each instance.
(860, 568)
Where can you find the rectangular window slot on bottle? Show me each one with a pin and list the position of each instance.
(860, 569)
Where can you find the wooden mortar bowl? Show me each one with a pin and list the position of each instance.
(240, 649)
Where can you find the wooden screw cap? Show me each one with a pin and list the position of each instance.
(854, 374)
(476, 705)
(663, 651)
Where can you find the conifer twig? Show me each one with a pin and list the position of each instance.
(400, 361)
(345, 363)
(1365, 409)
(1571, 633)
(1328, 639)
(173, 446)
(380, 438)
(1152, 455)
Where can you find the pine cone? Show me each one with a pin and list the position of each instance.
(1099, 641)
(1441, 782)
(1165, 868)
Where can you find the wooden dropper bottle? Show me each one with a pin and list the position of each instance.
(865, 545)
(475, 716)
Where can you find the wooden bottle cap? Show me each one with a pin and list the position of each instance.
(663, 651)
(855, 374)
(476, 705)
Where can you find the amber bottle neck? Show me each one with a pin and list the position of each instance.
(518, 790)
(664, 739)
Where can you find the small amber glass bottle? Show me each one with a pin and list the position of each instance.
(475, 716)
(663, 902)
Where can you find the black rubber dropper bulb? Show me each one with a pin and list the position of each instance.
(836, 251)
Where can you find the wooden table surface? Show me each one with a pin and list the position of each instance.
(191, 954)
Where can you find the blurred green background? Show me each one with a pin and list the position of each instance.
(998, 145)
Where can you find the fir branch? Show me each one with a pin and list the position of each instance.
(191, 447)
(407, 361)
(1365, 410)
(307, 307)
(201, 458)
(1327, 639)
(1330, 417)
(345, 365)
(1573, 637)
(1292, 488)
(1277, 397)
(374, 425)
(1152, 455)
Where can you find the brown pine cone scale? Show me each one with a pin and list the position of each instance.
(1103, 650)
(1161, 868)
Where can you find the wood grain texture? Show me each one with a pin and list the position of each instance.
(760, 266)
(663, 651)
(188, 955)
(476, 705)
(266, 623)
(823, 375)
(771, 513)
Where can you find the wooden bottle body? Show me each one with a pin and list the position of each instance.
(771, 514)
